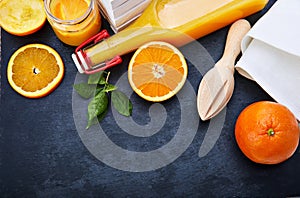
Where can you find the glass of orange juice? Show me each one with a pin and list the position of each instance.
(73, 21)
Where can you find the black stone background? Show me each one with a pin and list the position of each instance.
(43, 156)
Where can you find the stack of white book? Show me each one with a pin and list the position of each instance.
(120, 13)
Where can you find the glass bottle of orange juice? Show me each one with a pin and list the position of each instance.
(175, 21)
(73, 21)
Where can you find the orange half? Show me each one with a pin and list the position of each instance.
(157, 71)
(22, 17)
(35, 70)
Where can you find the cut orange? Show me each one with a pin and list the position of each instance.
(157, 71)
(69, 9)
(22, 17)
(35, 70)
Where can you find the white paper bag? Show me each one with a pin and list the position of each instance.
(271, 54)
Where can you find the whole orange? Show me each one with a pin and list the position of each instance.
(267, 132)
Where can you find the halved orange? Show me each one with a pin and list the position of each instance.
(69, 9)
(35, 70)
(157, 71)
(22, 17)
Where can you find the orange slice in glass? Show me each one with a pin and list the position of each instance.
(69, 9)
(157, 71)
(22, 17)
(35, 70)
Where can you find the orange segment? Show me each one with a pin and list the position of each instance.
(69, 9)
(35, 70)
(22, 17)
(157, 71)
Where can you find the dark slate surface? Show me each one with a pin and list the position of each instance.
(42, 154)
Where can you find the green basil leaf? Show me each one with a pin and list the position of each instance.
(102, 115)
(121, 103)
(98, 90)
(102, 81)
(92, 122)
(110, 87)
(94, 79)
(97, 106)
(96, 120)
(85, 90)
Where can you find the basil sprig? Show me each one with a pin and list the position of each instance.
(99, 89)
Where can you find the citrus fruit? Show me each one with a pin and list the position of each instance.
(22, 17)
(157, 71)
(267, 132)
(69, 9)
(35, 70)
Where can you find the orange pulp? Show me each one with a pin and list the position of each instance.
(75, 23)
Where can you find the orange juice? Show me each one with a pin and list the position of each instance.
(73, 21)
(175, 21)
